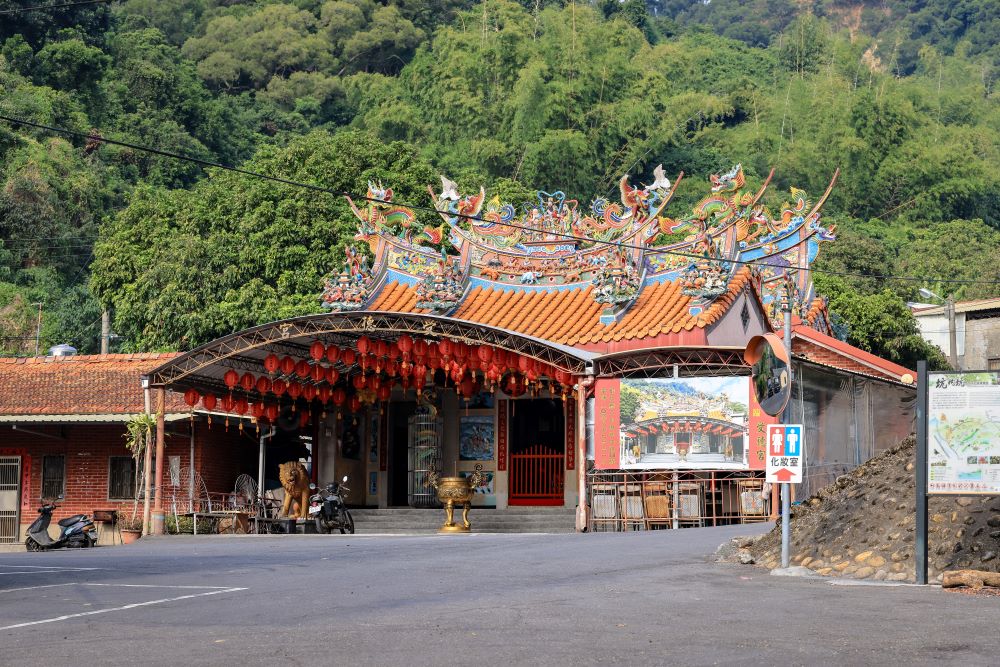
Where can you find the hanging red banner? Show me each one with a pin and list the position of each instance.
(757, 421)
(570, 434)
(501, 436)
(383, 441)
(607, 424)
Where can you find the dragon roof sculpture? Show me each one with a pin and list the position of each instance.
(615, 248)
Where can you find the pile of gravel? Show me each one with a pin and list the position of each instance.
(863, 525)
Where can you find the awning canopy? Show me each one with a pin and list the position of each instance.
(204, 368)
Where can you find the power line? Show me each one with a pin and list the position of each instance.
(420, 207)
(45, 8)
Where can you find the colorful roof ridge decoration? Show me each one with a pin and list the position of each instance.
(612, 252)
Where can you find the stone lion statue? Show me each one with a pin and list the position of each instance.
(295, 481)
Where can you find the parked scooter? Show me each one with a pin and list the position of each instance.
(75, 532)
(327, 508)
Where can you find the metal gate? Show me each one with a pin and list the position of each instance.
(10, 497)
(536, 477)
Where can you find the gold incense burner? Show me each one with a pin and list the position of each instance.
(452, 491)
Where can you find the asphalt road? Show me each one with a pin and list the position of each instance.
(637, 598)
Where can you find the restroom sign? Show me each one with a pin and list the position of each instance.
(785, 453)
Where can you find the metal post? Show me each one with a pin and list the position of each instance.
(949, 307)
(581, 458)
(786, 495)
(147, 465)
(920, 538)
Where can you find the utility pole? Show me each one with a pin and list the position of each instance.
(949, 309)
(105, 331)
(786, 418)
(38, 327)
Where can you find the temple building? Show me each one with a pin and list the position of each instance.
(586, 356)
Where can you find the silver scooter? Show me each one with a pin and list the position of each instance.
(75, 532)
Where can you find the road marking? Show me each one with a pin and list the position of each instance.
(45, 568)
(31, 588)
(68, 569)
(134, 605)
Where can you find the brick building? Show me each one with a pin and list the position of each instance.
(62, 432)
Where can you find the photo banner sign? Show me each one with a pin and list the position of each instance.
(963, 433)
(607, 424)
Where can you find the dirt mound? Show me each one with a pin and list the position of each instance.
(863, 526)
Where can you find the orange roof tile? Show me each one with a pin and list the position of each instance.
(829, 351)
(572, 316)
(79, 385)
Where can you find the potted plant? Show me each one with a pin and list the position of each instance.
(138, 436)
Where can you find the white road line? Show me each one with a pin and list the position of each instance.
(50, 567)
(164, 586)
(31, 588)
(135, 605)
(68, 569)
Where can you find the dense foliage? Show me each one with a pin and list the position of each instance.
(513, 95)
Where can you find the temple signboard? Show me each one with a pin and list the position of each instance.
(607, 424)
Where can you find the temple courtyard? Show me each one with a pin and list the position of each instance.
(630, 598)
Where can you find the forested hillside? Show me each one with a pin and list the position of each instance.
(516, 96)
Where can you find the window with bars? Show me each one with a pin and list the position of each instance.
(121, 478)
(53, 476)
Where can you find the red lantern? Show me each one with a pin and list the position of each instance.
(287, 365)
(332, 354)
(445, 348)
(433, 350)
(419, 348)
(392, 369)
(294, 389)
(384, 393)
(241, 406)
(309, 392)
(257, 410)
(358, 381)
(405, 344)
(317, 373)
(374, 382)
(304, 419)
(364, 345)
(191, 397)
(381, 348)
(355, 404)
(247, 381)
(302, 369)
(263, 385)
(332, 375)
(485, 353)
(278, 387)
(467, 388)
(231, 378)
(317, 350)
(209, 401)
(271, 412)
(338, 396)
(323, 393)
(271, 363)
(226, 403)
(348, 357)
(523, 363)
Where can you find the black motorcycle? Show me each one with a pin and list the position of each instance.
(75, 532)
(327, 508)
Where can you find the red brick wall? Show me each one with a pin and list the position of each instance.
(219, 457)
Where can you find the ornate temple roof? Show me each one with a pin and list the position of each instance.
(590, 277)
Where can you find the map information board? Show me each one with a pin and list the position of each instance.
(963, 433)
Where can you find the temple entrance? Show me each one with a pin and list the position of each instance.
(399, 413)
(537, 452)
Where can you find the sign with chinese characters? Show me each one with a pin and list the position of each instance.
(570, 435)
(963, 433)
(607, 424)
(785, 453)
(502, 435)
(758, 421)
